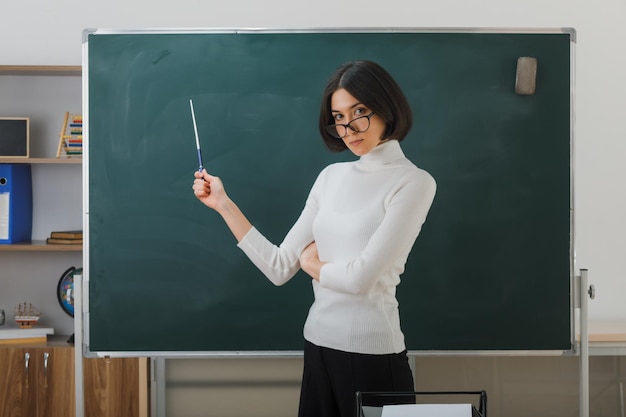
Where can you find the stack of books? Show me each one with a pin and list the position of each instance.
(11, 333)
(66, 237)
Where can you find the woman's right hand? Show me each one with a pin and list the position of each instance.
(209, 190)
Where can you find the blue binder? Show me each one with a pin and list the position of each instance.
(16, 203)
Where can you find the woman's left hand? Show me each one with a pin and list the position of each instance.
(310, 261)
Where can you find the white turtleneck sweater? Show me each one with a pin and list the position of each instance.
(364, 216)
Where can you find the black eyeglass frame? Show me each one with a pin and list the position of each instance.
(332, 129)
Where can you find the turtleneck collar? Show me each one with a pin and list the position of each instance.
(384, 154)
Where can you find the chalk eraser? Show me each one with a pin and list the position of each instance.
(526, 75)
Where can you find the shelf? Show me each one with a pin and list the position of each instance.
(39, 246)
(64, 160)
(49, 74)
(69, 70)
(44, 93)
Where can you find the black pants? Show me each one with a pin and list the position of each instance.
(331, 379)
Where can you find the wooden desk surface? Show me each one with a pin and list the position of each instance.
(607, 331)
(607, 338)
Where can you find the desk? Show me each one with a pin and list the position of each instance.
(608, 338)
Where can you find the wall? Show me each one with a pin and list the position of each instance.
(50, 32)
(53, 35)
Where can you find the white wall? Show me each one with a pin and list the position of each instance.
(50, 32)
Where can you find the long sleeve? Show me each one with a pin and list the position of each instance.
(364, 217)
(280, 263)
(391, 243)
(370, 213)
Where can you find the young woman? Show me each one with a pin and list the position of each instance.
(353, 238)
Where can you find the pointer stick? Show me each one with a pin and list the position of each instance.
(195, 129)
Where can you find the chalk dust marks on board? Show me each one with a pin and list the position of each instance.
(137, 97)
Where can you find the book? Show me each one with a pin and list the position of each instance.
(59, 241)
(11, 334)
(67, 234)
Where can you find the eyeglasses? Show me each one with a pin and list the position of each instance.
(358, 125)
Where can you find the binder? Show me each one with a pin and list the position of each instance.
(16, 203)
(370, 404)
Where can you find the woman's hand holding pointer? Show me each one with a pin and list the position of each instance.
(210, 191)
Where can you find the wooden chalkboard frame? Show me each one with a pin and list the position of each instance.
(93, 339)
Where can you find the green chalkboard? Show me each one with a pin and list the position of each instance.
(491, 270)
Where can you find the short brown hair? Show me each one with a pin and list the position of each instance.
(373, 86)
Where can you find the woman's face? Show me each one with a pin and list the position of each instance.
(345, 108)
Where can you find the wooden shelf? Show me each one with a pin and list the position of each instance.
(69, 70)
(39, 246)
(64, 160)
(41, 70)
